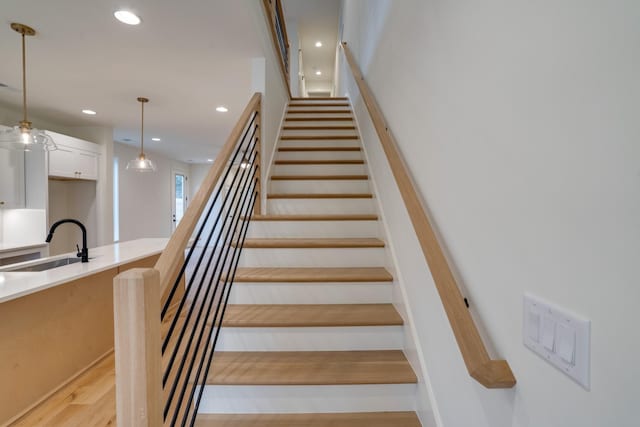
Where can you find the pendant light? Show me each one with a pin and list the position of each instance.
(141, 163)
(23, 136)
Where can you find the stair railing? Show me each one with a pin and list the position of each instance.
(489, 372)
(275, 17)
(168, 318)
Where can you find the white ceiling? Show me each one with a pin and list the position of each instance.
(317, 20)
(187, 57)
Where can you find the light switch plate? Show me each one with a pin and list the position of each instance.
(570, 346)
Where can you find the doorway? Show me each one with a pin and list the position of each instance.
(179, 196)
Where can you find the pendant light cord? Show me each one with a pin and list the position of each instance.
(142, 131)
(24, 80)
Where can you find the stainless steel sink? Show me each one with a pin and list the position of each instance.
(48, 265)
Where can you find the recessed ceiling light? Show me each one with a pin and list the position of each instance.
(222, 109)
(318, 44)
(127, 17)
(209, 160)
(318, 73)
(156, 139)
(89, 112)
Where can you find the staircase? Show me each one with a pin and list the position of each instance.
(311, 337)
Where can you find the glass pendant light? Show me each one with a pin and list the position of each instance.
(141, 163)
(23, 136)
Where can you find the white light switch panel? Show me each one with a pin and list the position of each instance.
(563, 339)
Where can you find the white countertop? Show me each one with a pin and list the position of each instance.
(17, 284)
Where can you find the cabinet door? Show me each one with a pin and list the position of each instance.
(87, 165)
(12, 190)
(67, 162)
(62, 162)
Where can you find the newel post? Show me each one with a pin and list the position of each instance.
(136, 304)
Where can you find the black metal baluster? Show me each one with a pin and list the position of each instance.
(246, 177)
(229, 279)
(236, 219)
(220, 186)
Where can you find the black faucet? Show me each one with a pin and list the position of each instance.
(84, 253)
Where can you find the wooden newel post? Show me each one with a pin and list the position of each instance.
(137, 348)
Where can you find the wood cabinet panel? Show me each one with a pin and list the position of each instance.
(48, 338)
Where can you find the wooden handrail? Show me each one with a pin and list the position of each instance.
(488, 372)
(273, 11)
(172, 257)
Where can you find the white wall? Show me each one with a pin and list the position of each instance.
(77, 200)
(196, 176)
(519, 123)
(275, 95)
(145, 198)
(294, 66)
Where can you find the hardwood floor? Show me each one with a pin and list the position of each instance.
(88, 401)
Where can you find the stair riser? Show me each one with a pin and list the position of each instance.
(311, 293)
(311, 116)
(311, 338)
(319, 155)
(319, 107)
(357, 169)
(320, 186)
(318, 132)
(314, 142)
(301, 229)
(308, 399)
(320, 206)
(313, 122)
(312, 101)
(319, 143)
(307, 257)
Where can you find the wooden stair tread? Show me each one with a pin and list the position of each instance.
(319, 128)
(312, 274)
(319, 104)
(311, 315)
(310, 368)
(319, 177)
(313, 243)
(319, 98)
(320, 162)
(317, 137)
(341, 111)
(318, 119)
(319, 196)
(300, 217)
(319, 149)
(356, 419)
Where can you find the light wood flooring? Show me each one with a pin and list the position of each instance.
(88, 401)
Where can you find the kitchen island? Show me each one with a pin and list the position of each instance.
(55, 324)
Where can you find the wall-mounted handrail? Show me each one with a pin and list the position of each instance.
(275, 17)
(171, 259)
(489, 372)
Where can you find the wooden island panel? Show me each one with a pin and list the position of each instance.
(50, 337)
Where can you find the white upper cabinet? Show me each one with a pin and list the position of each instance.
(74, 158)
(12, 189)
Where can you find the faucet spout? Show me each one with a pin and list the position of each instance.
(84, 252)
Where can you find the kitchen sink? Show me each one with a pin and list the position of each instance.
(42, 266)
